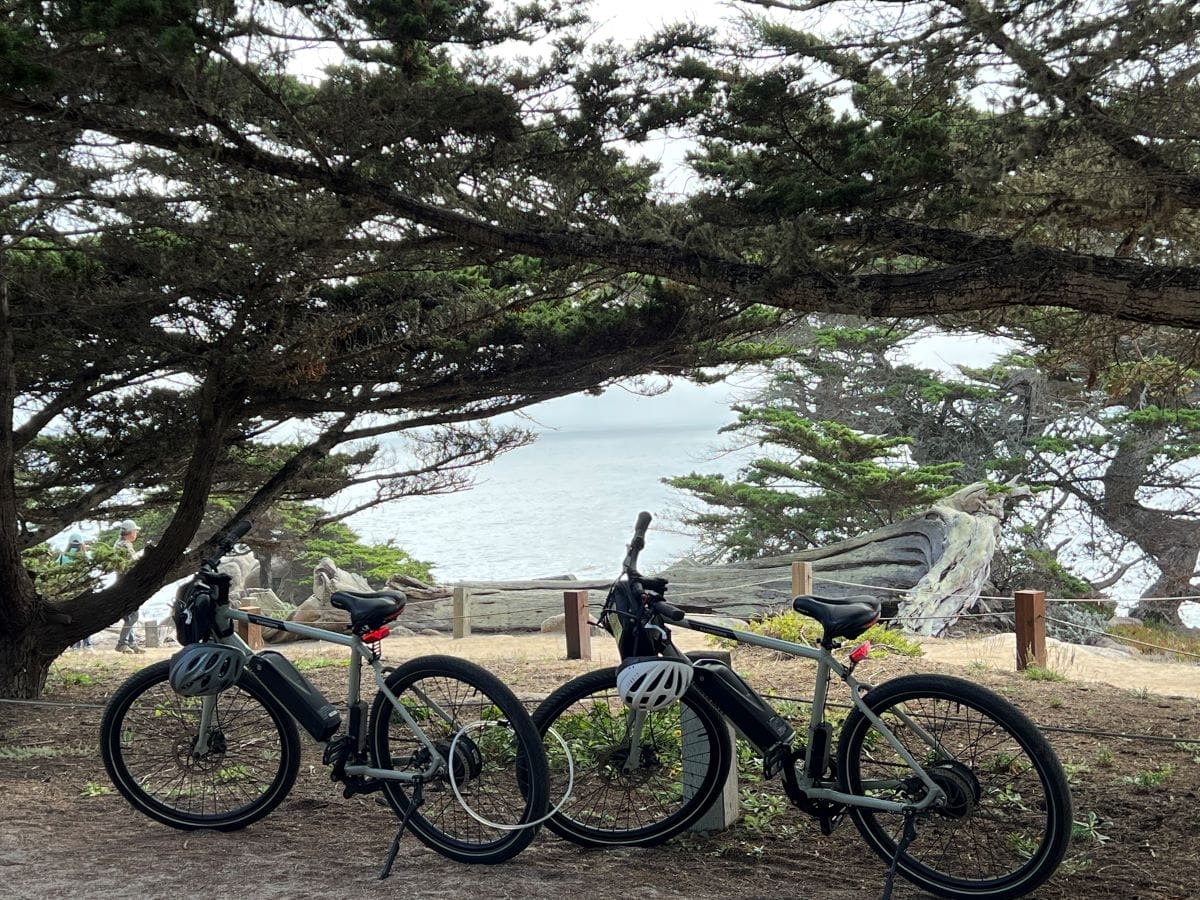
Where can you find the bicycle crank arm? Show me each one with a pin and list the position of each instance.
(356, 785)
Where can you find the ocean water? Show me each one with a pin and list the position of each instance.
(566, 504)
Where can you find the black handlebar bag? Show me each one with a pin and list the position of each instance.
(622, 617)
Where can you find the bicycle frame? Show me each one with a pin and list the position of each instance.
(827, 664)
(360, 653)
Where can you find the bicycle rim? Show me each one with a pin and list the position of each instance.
(1006, 822)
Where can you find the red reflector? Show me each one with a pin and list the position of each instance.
(861, 652)
(377, 635)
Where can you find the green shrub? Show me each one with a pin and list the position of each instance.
(1159, 635)
(792, 626)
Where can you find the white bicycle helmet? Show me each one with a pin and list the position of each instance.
(651, 682)
(200, 669)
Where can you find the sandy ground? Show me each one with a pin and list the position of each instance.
(1075, 662)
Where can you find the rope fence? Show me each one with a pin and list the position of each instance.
(1028, 612)
(1121, 637)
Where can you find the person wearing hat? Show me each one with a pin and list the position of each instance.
(124, 546)
(76, 549)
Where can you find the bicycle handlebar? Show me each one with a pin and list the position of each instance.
(638, 583)
(637, 543)
(225, 545)
(667, 611)
(238, 531)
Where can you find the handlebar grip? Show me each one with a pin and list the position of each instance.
(667, 611)
(643, 522)
(236, 533)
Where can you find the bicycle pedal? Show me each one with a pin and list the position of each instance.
(829, 823)
(357, 785)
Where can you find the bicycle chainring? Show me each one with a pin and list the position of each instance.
(828, 812)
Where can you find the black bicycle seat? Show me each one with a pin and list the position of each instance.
(369, 610)
(844, 617)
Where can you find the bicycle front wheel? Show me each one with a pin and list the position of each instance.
(149, 737)
(471, 720)
(1006, 820)
(625, 794)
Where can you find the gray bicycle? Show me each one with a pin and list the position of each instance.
(949, 783)
(209, 740)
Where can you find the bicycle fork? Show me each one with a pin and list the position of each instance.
(633, 738)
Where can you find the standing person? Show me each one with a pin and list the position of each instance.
(124, 547)
(76, 549)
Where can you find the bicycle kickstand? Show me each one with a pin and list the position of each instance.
(418, 796)
(910, 832)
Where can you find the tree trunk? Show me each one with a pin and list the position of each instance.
(1166, 537)
(1158, 603)
(25, 659)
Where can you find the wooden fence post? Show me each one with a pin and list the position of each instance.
(152, 633)
(461, 615)
(727, 805)
(250, 632)
(1031, 628)
(579, 632)
(802, 583)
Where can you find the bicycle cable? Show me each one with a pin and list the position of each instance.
(497, 825)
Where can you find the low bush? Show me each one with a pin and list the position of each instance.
(792, 626)
(1181, 646)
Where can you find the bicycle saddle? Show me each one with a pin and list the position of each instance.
(844, 617)
(368, 611)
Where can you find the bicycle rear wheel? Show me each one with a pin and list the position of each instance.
(147, 739)
(498, 763)
(1006, 823)
(683, 758)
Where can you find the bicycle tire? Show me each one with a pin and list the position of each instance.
(669, 792)
(501, 770)
(1007, 821)
(147, 733)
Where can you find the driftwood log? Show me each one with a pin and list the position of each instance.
(316, 610)
(926, 571)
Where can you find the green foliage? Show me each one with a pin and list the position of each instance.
(1150, 778)
(792, 626)
(1159, 637)
(60, 577)
(760, 809)
(823, 482)
(436, 229)
(94, 789)
(296, 533)
(375, 562)
(1087, 830)
(1040, 673)
(309, 663)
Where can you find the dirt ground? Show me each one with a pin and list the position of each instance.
(64, 832)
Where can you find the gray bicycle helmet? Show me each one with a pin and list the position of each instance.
(651, 682)
(200, 669)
